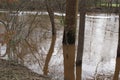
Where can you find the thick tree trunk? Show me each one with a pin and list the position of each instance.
(80, 41)
(69, 39)
(117, 67)
(69, 60)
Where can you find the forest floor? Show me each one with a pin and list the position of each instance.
(13, 71)
(10, 70)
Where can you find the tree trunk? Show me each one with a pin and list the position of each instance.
(69, 39)
(51, 15)
(8, 52)
(51, 50)
(80, 41)
(117, 67)
(69, 60)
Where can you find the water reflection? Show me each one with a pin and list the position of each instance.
(100, 45)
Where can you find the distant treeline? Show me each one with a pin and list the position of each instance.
(57, 5)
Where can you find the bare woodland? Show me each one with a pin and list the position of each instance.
(24, 30)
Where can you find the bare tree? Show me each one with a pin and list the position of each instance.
(18, 29)
(51, 50)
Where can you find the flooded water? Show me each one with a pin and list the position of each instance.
(101, 36)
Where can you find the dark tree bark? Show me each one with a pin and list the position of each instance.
(80, 41)
(69, 39)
